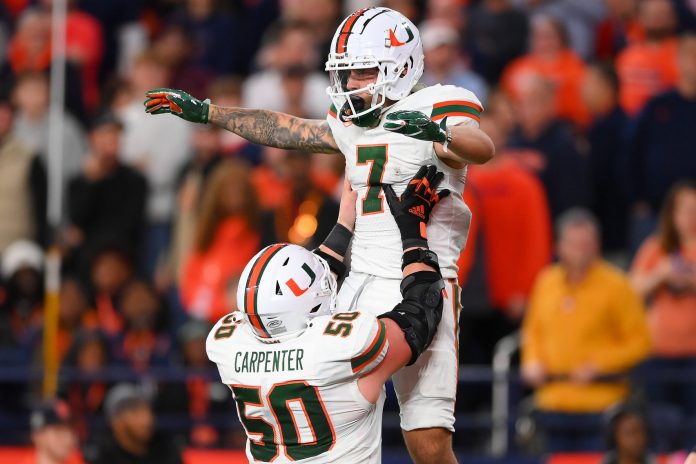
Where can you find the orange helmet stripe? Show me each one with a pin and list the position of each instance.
(252, 288)
(345, 31)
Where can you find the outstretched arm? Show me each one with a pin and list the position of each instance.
(263, 127)
(275, 129)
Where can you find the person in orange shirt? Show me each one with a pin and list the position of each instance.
(664, 272)
(225, 240)
(516, 226)
(549, 57)
(585, 328)
(649, 67)
(55, 441)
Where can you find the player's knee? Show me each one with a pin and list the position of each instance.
(430, 446)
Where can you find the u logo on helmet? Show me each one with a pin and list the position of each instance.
(394, 42)
(292, 285)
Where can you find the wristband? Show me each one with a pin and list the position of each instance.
(420, 255)
(338, 239)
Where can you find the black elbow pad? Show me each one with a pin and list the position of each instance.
(420, 311)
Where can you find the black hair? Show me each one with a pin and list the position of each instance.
(613, 417)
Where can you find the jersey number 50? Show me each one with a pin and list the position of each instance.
(297, 407)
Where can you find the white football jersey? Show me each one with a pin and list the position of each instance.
(375, 156)
(298, 399)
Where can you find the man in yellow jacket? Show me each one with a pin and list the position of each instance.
(585, 328)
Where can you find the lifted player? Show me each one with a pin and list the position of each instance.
(309, 386)
(387, 127)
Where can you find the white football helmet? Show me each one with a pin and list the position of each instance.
(373, 38)
(282, 288)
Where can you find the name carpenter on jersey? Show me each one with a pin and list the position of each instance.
(269, 361)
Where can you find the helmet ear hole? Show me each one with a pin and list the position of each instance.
(278, 291)
(404, 71)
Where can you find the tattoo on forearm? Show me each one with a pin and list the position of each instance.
(276, 129)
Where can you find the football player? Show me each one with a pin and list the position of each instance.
(387, 127)
(309, 385)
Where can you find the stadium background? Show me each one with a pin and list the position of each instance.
(579, 99)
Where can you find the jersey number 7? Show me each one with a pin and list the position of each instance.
(376, 156)
(293, 404)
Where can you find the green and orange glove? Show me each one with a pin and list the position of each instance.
(417, 125)
(177, 102)
(412, 210)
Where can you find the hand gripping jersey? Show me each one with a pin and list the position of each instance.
(298, 399)
(375, 156)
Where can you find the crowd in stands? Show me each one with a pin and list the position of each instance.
(584, 225)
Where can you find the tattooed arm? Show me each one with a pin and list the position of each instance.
(275, 129)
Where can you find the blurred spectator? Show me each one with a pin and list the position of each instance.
(443, 63)
(326, 172)
(502, 111)
(600, 93)
(618, 29)
(321, 17)
(662, 136)
(664, 273)
(225, 240)
(649, 66)
(74, 314)
(199, 397)
(21, 305)
(305, 215)
(23, 187)
(211, 31)
(450, 12)
(627, 433)
(123, 34)
(132, 438)
(546, 146)
(174, 48)
(31, 124)
(585, 328)
(111, 269)
(549, 57)
(510, 223)
(142, 343)
(227, 91)
(84, 46)
(157, 147)
(107, 201)
(192, 179)
(497, 35)
(254, 19)
(515, 223)
(580, 19)
(87, 360)
(270, 178)
(288, 81)
(30, 50)
(52, 434)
